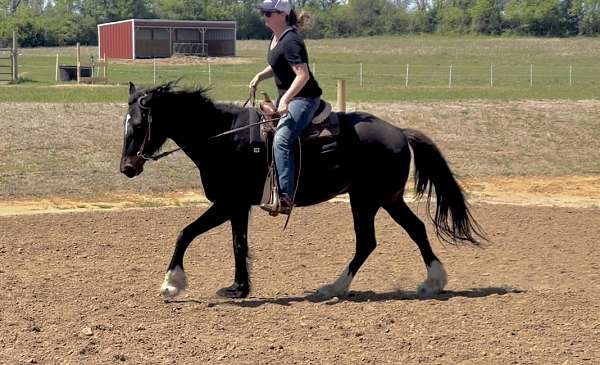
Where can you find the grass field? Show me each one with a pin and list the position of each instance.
(562, 69)
(73, 150)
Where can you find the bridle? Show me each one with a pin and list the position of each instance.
(251, 98)
(147, 136)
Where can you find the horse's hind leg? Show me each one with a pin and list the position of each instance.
(436, 275)
(364, 227)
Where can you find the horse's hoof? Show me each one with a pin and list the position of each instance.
(338, 288)
(330, 291)
(175, 282)
(235, 291)
(436, 280)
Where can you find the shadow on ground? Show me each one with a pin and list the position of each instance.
(354, 296)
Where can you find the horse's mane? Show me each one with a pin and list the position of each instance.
(196, 95)
(172, 88)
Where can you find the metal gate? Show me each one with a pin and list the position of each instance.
(6, 65)
(8, 60)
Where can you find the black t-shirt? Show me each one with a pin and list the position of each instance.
(291, 50)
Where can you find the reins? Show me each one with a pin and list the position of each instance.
(251, 97)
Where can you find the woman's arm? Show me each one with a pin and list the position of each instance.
(264, 74)
(302, 77)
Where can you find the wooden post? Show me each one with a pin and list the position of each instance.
(105, 67)
(78, 63)
(406, 80)
(360, 74)
(492, 75)
(341, 95)
(15, 64)
(57, 73)
(570, 75)
(209, 75)
(450, 78)
(531, 75)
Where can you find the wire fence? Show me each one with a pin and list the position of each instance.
(407, 75)
(462, 74)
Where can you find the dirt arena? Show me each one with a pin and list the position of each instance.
(80, 269)
(83, 288)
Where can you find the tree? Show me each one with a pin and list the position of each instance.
(534, 17)
(587, 15)
(485, 17)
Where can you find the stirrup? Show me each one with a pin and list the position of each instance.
(278, 206)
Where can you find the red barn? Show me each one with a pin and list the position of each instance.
(149, 38)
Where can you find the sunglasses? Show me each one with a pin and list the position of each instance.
(269, 13)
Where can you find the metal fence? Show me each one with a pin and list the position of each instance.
(410, 75)
(8, 60)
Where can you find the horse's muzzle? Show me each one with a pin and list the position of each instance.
(132, 167)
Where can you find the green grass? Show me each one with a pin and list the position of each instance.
(383, 59)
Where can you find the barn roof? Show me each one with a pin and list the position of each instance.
(164, 23)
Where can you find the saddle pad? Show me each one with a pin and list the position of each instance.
(328, 128)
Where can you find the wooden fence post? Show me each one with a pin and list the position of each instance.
(361, 74)
(105, 71)
(78, 63)
(406, 80)
(531, 75)
(570, 75)
(15, 64)
(341, 95)
(209, 75)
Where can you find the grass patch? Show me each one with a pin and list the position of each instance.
(73, 150)
(562, 69)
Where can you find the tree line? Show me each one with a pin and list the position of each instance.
(65, 22)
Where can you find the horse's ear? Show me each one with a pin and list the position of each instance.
(131, 88)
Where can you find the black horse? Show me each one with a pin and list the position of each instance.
(369, 159)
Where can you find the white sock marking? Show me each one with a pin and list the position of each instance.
(436, 280)
(175, 282)
(338, 288)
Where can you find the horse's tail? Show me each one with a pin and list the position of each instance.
(453, 220)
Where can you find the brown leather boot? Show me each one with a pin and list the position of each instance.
(285, 205)
(281, 206)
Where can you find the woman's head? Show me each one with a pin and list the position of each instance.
(279, 13)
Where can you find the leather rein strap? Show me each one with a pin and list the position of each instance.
(251, 98)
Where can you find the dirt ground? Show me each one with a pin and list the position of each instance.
(82, 287)
(83, 251)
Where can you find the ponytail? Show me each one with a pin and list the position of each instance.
(298, 21)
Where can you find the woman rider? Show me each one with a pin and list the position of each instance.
(299, 92)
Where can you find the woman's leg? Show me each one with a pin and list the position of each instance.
(300, 113)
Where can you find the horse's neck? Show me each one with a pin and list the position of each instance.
(196, 124)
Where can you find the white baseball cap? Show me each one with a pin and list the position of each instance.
(283, 6)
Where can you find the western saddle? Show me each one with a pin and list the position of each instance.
(323, 128)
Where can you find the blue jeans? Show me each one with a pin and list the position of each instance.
(299, 116)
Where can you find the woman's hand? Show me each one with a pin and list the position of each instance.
(282, 109)
(264, 74)
(254, 82)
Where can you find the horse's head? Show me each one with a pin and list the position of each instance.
(143, 134)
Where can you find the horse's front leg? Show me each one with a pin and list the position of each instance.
(175, 280)
(241, 283)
